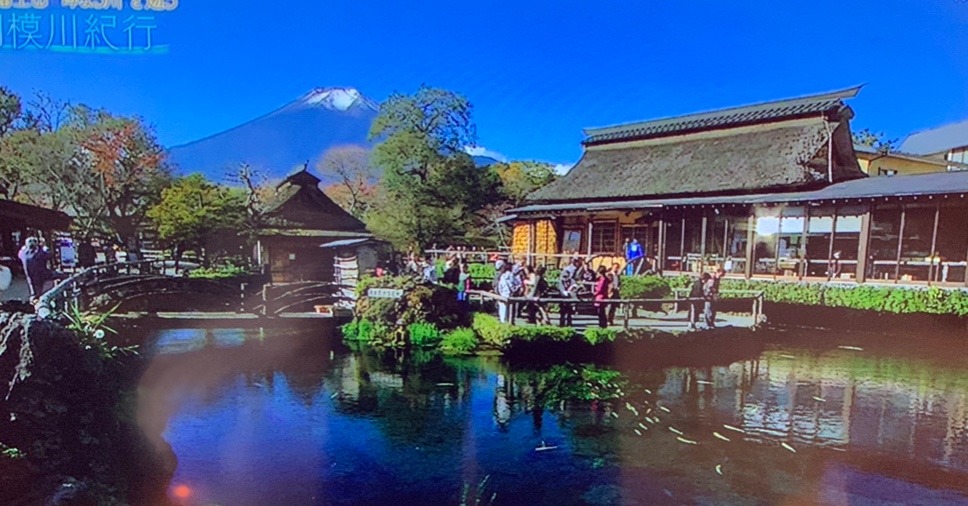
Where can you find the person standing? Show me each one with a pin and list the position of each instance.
(711, 292)
(833, 266)
(505, 288)
(86, 254)
(429, 275)
(566, 285)
(600, 295)
(614, 288)
(633, 252)
(696, 295)
(34, 259)
(463, 282)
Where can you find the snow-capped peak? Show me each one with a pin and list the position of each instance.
(337, 99)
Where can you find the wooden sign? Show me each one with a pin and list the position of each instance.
(384, 293)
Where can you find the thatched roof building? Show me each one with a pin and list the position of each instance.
(297, 222)
(772, 189)
(775, 146)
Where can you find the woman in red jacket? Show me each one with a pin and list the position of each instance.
(601, 294)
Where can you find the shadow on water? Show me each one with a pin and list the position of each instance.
(294, 417)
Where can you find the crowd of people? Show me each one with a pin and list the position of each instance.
(578, 282)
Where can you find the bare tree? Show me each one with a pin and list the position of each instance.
(355, 177)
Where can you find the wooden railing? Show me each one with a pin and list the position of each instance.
(755, 298)
(67, 291)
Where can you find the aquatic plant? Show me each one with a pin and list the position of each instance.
(594, 335)
(423, 334)
(459, 341)
(91, 329)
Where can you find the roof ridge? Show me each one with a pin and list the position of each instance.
(724, 117)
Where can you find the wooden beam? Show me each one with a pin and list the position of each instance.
(833, 237)
(802, 270)
(750, 237)
(934, 243)
(661, 257)
(776, 244)
(682, 246)
(702, 243)
(900, 244)
(863, 245)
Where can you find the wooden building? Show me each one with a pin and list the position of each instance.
(18, 221)
(769, 190)
(299, 221)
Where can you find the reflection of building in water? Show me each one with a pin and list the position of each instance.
(881, 404)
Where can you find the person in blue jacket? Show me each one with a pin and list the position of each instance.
(633, 252)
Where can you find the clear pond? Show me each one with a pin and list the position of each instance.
(276, 417)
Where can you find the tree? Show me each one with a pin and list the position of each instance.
(355, 176)
(123, 170)
(878, 141)
(192, 211)
(431, 190)
(518, 179)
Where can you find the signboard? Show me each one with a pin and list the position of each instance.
(384, 293)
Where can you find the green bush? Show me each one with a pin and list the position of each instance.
(645, 287)
(424, 335)
(426, 304)
(539, 333)
(364, 331)
(460, 341)
(490, 329)
(219, 272)
(595, 335)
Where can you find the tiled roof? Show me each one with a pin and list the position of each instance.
(744, 115)
(937, 140)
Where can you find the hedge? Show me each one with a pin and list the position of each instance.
(888, 299)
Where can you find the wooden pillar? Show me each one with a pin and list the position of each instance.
(532, 240)
(702, 243)
(833, 236)
(682, 246)
(900, 244)
(588, 242)
(776, 243)
(750, 237)
(803, 242)
(863, 246)
(725, 237)
(661, 256)
(934, 244)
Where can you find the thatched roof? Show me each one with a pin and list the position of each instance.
(788, 155)
(774, 146)
(300, 204)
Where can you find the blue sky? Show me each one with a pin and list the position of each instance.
(537, 72)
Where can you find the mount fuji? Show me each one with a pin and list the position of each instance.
(301, 130)
(289, 136)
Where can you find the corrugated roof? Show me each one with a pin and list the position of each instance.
(940, 183)
(743, 115)
(937, 140)
(756, 158)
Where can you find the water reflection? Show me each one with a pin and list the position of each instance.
(295, 419)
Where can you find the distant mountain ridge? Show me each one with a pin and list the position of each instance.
(276, 142)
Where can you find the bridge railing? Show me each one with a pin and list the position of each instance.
(752, 297)
(67, 291)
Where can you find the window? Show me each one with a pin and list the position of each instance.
(571, 241)
(603, 237)
(886, 172)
